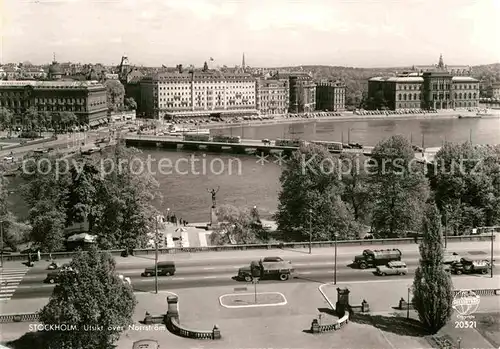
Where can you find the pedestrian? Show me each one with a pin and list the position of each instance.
(181, 222)
(416, 239)
(39, 255)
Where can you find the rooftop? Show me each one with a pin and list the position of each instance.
(199, 75)
(50, 84)
(463, 79)
(411, 79)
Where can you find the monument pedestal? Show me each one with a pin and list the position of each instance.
(213, 217)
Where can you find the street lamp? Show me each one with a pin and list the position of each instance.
(459, 340)
(408, 303)
(156, 255)
(335, 261)
(491, 257)
(1, 243)
(310, 231)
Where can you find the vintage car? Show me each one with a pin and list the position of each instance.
(451, 257)
(469, 266)
(392, 268)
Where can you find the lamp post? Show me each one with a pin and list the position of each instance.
(335, 262)
(1, 244)
(310, 231)
(408, 304)
(156, 254)
(459, 341)
(491, 257)
(445, 226)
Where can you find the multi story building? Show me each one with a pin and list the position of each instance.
(495, 91)
(302, 91)
(272, 97)
(330, 96)
(86, 99)
(437, 89)
(197, 93)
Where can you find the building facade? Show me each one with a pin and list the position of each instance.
(197, 93)
(330, 96)
(86, 99)
(272, 97)
(436, 89)
(302, 91)
(495, 91)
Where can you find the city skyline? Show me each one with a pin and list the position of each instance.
(275, 33)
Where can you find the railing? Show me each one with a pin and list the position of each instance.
(5, 318)
(317, 328)
(194, 334)
(286, 245)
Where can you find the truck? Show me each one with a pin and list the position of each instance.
(469, 266)
(266, 270)
(374, 258)
(226, 139)
(197, 137)
(288, 142)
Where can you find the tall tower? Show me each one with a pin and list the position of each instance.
(441, 63)
(243, 61)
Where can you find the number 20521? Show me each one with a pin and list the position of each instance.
(465, 324)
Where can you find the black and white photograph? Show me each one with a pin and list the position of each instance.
(249, 174)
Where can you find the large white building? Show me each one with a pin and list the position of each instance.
(198, 93)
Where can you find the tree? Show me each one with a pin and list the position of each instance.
(237, 226)
(47, 226)
(130, 103)
(398, 186)
(310, 181)
(432, 286)
(14, 232)
(356, 189)
(466, 183)
(6, 119)
(115, 94)
(89, 296)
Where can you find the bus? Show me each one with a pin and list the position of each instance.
(334, 147)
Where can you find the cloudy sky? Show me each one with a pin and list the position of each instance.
(361, 33)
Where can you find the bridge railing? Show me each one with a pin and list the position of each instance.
(270, 246)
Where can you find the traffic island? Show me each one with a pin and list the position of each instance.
(251, 300)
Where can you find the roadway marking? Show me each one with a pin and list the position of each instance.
(305, 272)
(210, 277)
(284, 302)
(209, 268)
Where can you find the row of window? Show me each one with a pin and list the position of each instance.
(188, 87)
(201, 103)
(409, 96)
(409, 87)
(466, 87)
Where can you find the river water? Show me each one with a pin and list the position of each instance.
(244, 182)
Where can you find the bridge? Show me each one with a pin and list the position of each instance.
(244, 146)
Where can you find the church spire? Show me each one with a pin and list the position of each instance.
(54, 56)
(441, 63)
(243, 61)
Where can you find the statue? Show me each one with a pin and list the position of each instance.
(213, 192)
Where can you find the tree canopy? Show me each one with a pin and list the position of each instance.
(92, 301)
(115, 94)
(115, 202)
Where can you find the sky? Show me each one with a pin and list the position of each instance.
(271, 33)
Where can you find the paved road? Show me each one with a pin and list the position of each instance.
(220, 272)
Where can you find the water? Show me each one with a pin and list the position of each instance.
(244, 182)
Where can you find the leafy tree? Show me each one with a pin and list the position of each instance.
(466, 183)
(14, 231)
(236, 226)
(356, 189)
(89, 296)
(310, 181)
(432, 286)
(6, 119)
(48, 225)
(115, 94)
(130, 103)
(398, 186)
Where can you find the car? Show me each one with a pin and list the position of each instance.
(272, 259)
(392, 268)
(164, 268)
(54, 276)
(8, 158)
(451, 257)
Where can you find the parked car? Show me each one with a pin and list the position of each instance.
(392, 268)
(54, 276)
(272, 259)
(451, 257)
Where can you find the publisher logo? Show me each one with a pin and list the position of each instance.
(466, 303)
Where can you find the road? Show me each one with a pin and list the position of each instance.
(220, 272)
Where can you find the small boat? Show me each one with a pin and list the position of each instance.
(485, 113)
(477, 116)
